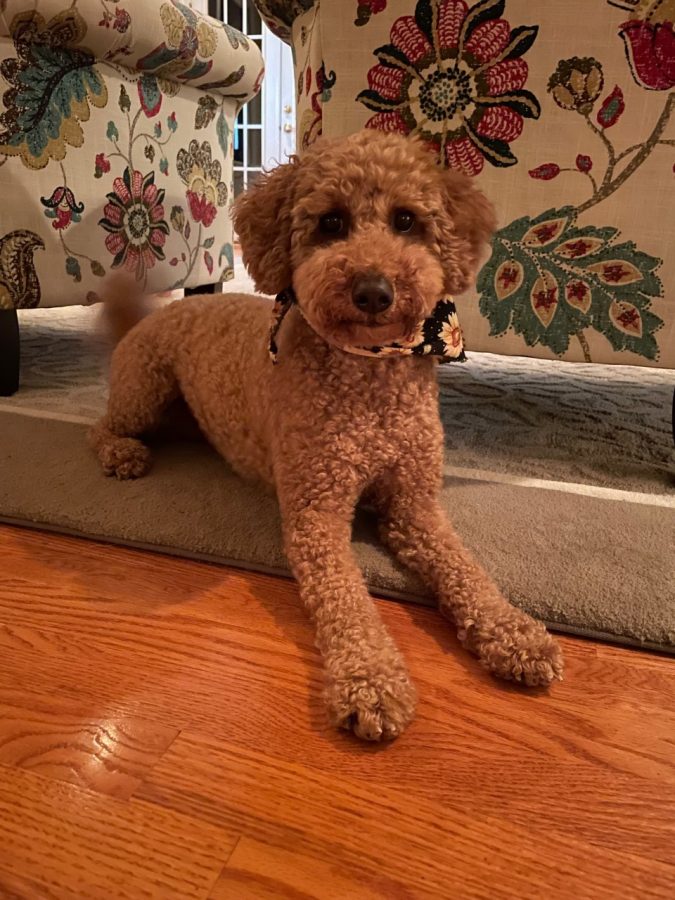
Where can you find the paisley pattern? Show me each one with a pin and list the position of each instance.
(100, 104)
(53, 82)
(19, 284)
(189, 45)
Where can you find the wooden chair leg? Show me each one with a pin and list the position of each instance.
(9, 352)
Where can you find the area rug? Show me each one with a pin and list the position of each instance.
(559, 477)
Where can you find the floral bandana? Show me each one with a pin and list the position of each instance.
(438, 335)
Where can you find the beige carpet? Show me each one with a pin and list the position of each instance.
(560, 478)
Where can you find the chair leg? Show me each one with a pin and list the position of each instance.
(9, 352)
(673, 417)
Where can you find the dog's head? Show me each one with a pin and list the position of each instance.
(368, 230)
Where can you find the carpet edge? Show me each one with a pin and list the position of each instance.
(383, 593)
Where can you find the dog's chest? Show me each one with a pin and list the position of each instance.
(366, 412)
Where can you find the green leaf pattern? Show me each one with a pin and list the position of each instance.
(549, 279)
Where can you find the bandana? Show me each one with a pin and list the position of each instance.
(438, 335)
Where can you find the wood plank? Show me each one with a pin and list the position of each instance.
(81, 844)
(258, 871)
(14, 887)
(445, 848)
(57, 739)
(530, 758)
(488, 779)
(221, 664)
(245, 633)
(229, 686)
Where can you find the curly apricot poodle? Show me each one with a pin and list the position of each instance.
(361, 239)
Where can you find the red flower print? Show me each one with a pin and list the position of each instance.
(577, 290)
(62, 207)
(101, 165)
(578, 296)
(367, 8)
(121, 20)
(650, 48)
(578, 248)
(546, 298)
(545, 172)
(454, 76)
(545, 232)
(612, 108)
(134, 220)
(509, 276)
(201, 175)
(629, 318)
(584, 163)
(614, 272)
(201, 209)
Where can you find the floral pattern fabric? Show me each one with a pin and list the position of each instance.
(576, 150)
(454, 75)
(115, 145)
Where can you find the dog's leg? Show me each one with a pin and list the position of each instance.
(367, 686)
(141, 387)
(510, 643)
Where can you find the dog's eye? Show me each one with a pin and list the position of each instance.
(332, 224)
(404, 220)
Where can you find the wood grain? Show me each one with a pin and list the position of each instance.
(78, 843)
(54, 738)
(176, 706)
(261, 872)
(362, 822)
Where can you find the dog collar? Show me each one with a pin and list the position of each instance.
(438, 335)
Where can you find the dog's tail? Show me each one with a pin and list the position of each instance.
(123, 306)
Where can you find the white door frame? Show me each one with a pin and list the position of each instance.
(277, 100)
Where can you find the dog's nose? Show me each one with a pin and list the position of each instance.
(372, 293)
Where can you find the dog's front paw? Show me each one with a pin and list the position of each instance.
(521, 649)
(376, 707)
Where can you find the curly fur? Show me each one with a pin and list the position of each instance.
(326, 427)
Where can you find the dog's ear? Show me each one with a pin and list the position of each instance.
(468, 223)
(262, 221)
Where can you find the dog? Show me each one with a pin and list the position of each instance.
(359, 238)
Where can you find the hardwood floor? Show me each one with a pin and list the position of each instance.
(162, 735)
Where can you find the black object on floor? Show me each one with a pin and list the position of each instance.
(9, 352)
(204, 289)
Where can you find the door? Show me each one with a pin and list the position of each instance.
(265, 129)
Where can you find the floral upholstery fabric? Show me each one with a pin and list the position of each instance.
(564, 113)
(115, 145)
